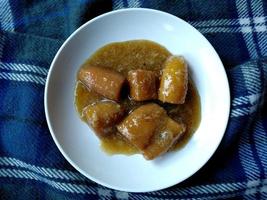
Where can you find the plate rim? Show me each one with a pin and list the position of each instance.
(49, 121)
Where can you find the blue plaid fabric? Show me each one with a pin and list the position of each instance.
(31, 32)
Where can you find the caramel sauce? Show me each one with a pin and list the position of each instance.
(130, 55)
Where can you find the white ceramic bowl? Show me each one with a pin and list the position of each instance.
(78, 143)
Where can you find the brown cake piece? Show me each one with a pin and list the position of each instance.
(174, 80)
(142, 84)
(151, 130)
(104, 81)
(103, 116)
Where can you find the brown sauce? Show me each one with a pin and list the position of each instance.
(138, 54)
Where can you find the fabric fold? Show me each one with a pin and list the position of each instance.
(32, 167)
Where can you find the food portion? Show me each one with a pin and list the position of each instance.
(141, 124)
(102, 80)
(150, 130)
(143, 85)
(138, 98)
(164, 139)
(103, 116)
(174, 80)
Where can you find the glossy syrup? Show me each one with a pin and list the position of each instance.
(138, 54)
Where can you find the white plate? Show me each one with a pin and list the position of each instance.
(81, 147)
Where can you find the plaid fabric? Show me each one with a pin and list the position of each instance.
(31, 167)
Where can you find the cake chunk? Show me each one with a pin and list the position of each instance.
(142, 85)
(104, 81)
(164, 139)
(151, 130)
(174, 80)
(103, 116)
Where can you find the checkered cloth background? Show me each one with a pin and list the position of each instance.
(31, 32)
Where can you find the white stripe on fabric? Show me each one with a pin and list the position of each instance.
(23, 68)
(6, 18)
(22, 78)
(205, 189)
(252, 79)
(140, 197)
(250, 43)
(252, 185)
(121, 195)
(84, 189)
(262, 41)
(215, 22)
(251, 190)
(242, 9)
(239, 112)
(257, 11)
(257, 8)
(118, 4)
(219, 30)
(243, 100)
(260, 138)
(147, 197)
(245, 29)
(225, 196)
(260, 29)
(257, 29)
(212, 189)
(263, 191)
(66, 187)
(48, 172)
(259, 20)
(252, 100)
(229, 22)
(134, 3)
(104, 193)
